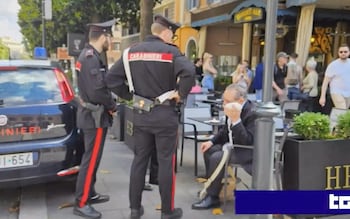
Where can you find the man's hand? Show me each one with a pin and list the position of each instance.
(279, 92)
(322, 101)
(234, 113)
(206, 145)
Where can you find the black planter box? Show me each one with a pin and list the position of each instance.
(311, 164)
(117, 129)
(129, 127)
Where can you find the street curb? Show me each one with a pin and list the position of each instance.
(33, 203)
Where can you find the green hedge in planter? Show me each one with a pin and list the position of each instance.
(342, 129)
(221, 82)
(310, 125)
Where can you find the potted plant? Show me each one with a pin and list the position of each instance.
(311, 125)
(342, 129)
(317, 159)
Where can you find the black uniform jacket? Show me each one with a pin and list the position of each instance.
(156, 67)
(91, 72)
(242, 133)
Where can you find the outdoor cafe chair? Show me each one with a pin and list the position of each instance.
(195, 131)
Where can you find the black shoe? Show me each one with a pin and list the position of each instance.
(206, 203)
(153, 181)
(98, 198)
(87, 212)
(147, 187)
(176, 214)
(136, 213)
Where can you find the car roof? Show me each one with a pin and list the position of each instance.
(30, 62)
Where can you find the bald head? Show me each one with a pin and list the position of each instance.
(157, 29)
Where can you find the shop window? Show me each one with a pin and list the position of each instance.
(215, 1)
(166, 12)
(192, 4)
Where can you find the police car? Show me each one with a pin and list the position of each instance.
(38, 133)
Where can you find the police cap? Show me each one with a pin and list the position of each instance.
(166, 22)
(105, 27)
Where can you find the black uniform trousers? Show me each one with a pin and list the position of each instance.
(94, 140)
(164, 138)
(153, 168)
(212, 158)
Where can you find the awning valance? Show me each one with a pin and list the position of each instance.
(292, 12)
(290, 3)
(246, 4)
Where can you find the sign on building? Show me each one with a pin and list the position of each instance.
(76, 43)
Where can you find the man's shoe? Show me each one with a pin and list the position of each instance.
(87, 212)
(147, 187)
(176, 214)
(136, 213)
(98, 198)
(206, 203)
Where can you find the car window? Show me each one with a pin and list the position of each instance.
(28, 86)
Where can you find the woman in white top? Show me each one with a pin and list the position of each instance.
(310, 87)
(240, 76)
(209, 72)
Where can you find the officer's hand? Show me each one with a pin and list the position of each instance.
(175, 97)
(112, 113)
(206, 145)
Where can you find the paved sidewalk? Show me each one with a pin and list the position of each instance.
(113, 179)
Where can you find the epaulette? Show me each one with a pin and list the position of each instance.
(89, 52)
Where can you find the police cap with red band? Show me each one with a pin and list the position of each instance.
(166, 22)
(105, 27)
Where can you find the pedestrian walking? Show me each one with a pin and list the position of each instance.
(279, 74)
(94, 116)
(258, 80)
(337, 76)
(158, 77)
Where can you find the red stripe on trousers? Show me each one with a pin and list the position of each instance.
(173, 186)
(91, 168)
(174, 176)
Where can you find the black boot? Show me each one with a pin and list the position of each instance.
(136, 213)
(176, 214)
(86, 211)
(207, 203)
(98, 198)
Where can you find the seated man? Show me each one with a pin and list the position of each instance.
(243, 129)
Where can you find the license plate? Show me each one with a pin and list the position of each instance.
(16, 160)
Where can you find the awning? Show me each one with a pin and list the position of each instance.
(211, 20)
(247, 4)
(290, 3)
(224, 17)
(331, 14)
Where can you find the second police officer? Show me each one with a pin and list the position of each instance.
(94, 116)
(156, 67)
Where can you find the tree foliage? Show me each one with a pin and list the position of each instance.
(72, 16)
(4, 51)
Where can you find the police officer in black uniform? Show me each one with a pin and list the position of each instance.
(156, 67)
(94, 116)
